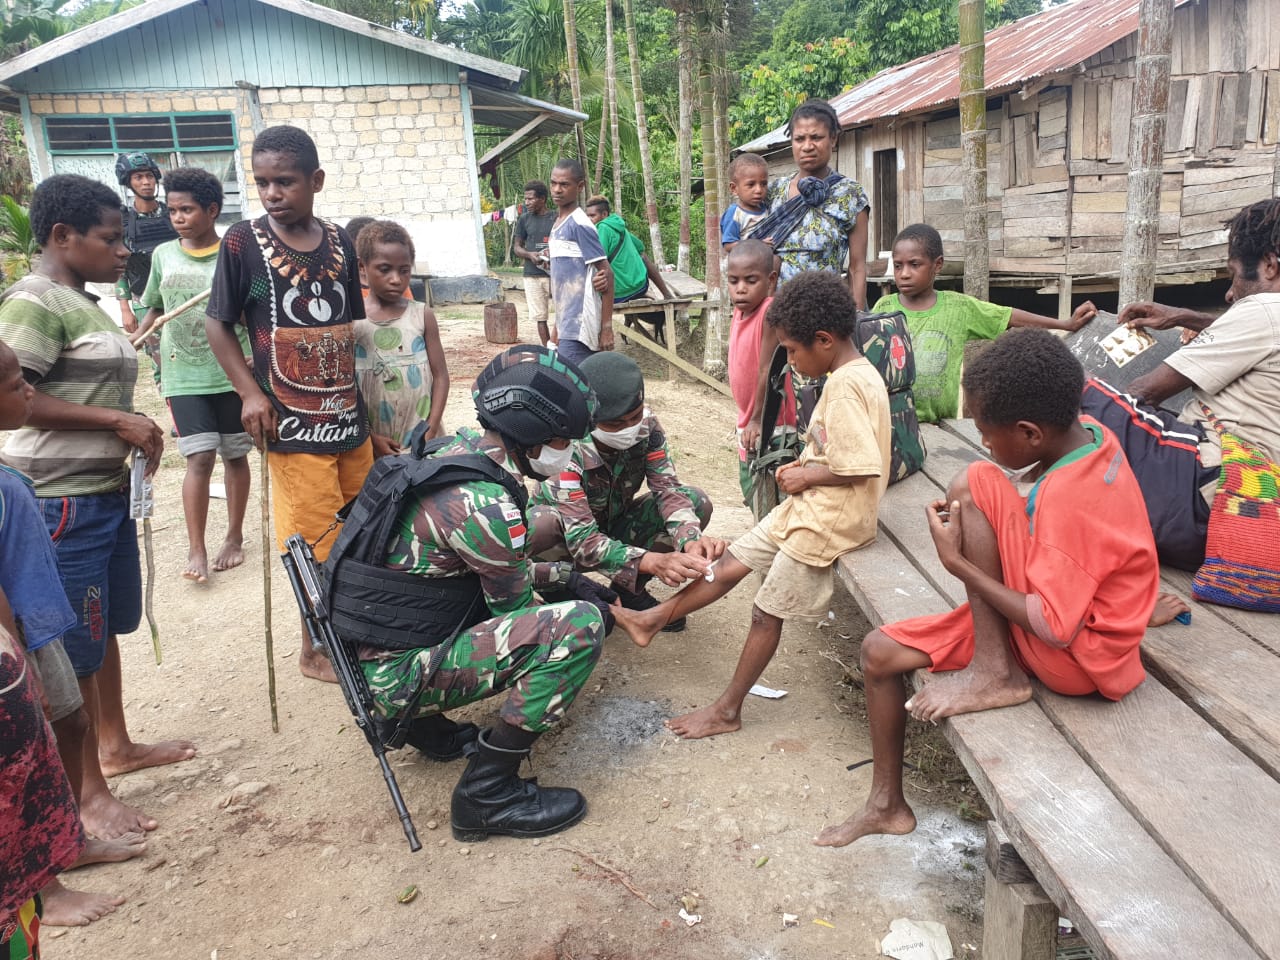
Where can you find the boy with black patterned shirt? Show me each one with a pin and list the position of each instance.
(292, 280)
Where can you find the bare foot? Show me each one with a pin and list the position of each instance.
(640, 625)
(231, 555)
(1168, 606)
(705, 722)
(107, 818)
(197, 569)
(315, 665)
(74, 908)
(896, 821)
(137, 756)
(968, 691)
(118, 850)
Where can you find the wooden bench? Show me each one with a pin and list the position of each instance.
(1153, 823)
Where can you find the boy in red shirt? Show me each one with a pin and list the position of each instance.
(1059, 565)
(752, 277)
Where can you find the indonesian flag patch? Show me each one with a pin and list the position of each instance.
(515, 524)
(570, 485)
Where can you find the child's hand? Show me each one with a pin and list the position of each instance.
(945, 528)
(384, 446)
(791, 479)
(1082, 315)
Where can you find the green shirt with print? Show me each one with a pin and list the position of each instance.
(938, 336)
(190, 368)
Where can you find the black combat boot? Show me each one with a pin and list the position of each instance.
(439, 738)
(491, 798)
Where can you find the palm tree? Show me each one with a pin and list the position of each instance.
(611, 98)
(28, 23)
(575, 85)
(642, 134)
(18, 246)
(684, 134)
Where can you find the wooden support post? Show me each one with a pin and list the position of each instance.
(1019, 921)
(1064, 297)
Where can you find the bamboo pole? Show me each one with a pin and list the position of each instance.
(264, 483)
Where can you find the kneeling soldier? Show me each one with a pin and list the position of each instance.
(472, 533)
(589, 511)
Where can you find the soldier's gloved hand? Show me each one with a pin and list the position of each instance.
(584, 588)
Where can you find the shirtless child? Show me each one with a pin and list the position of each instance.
(833, 490)
(1059, 565)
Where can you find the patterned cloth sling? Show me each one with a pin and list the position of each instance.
(1242, 550)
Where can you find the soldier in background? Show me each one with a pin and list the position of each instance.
(531, 404)
(146, 226)
(590, 512)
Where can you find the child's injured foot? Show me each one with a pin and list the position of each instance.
(1168, 606)
(869, 820)
(705, 722)
(968, 691)
(640, 625)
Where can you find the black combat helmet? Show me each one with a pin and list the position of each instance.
(127, 164)
(531, 395)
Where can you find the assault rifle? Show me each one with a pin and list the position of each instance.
(300, 564)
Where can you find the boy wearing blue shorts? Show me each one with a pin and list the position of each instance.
(74, 448)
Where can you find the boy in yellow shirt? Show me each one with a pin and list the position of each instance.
(833, 489)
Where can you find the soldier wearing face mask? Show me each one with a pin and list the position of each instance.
(591, 508)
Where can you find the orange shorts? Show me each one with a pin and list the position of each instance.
(308, 490)
(947, 638)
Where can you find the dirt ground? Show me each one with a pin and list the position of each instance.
(286, 844)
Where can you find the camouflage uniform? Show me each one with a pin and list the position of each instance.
(542, 654)
(591, 513)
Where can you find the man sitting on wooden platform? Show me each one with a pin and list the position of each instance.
(1233, 369)
(1059, 566)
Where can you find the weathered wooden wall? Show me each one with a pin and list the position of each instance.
(1059, 149)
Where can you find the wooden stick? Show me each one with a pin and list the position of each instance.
(637, 337)
(140, 335)
(614, 874)
(264, 498)
(149, 549)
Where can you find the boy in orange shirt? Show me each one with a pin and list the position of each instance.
(1059, 565)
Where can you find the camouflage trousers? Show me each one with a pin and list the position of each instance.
(541, 655)
(641, 525)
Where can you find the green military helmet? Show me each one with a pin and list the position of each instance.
(530, 395)
(127, 164)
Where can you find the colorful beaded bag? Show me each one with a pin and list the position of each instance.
(1242, 551)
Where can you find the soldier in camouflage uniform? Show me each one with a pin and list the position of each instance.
(590, 511)
(541, 654)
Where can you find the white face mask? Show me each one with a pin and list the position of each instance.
(550, 461)
(625, 438)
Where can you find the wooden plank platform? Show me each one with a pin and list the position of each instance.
(1150, 822)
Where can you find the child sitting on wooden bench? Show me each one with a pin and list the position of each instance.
(1059, 565)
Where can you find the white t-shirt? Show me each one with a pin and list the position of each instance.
(1234, 364)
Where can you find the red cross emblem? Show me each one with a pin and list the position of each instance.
(897, 352)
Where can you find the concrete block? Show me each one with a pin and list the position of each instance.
(419, 91)
(312, 94)
(366, 109)
(429, 105)
(323, 110)
(341, 125)
(390, 136)
(384, 123)
(109, 105)
(345, 110)
(269, 95)
(388, 108)
(398, 91)
(89, 105)
(290, 95)
(375, 94)
(406, 150)
(404, 123)
(334, 95)
(444, 91)
(228, 101)
(65, 105)
(349, 140)
(474, 289)
(392, 164)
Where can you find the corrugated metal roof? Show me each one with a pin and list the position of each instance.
(1049, 42)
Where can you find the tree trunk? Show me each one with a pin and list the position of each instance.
(973, 141)
(642, 134)
(684, 136)
(713, 347)
(575, 85)
(603, 140)
(1146, 151)
(611, 94)
(721, 92)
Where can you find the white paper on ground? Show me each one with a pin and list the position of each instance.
(917, 940)
(218, 491)
(767, 692)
